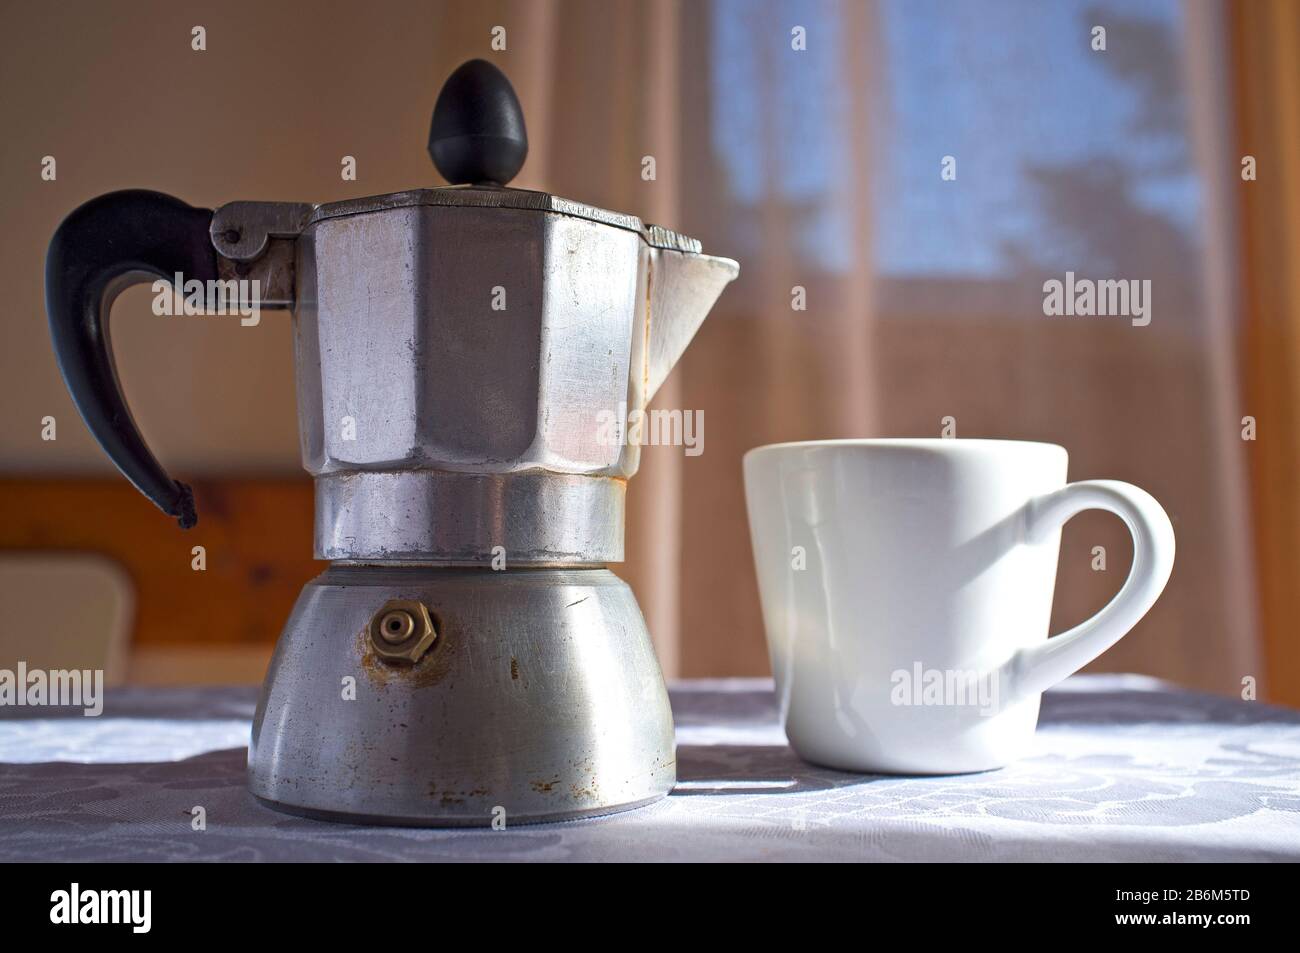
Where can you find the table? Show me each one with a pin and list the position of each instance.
(1127, 768)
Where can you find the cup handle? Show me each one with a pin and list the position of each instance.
(1039, 667)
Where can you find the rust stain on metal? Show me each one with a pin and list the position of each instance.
(455, 797)
(430, 670)
(376, 669)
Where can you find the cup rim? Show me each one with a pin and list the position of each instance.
(928, 444)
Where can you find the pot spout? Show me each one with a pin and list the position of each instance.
(683, 288)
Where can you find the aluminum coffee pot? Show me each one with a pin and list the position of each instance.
(459, 353)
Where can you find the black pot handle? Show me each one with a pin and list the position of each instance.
(103, 247)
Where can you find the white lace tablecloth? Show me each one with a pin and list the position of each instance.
(1126, 769)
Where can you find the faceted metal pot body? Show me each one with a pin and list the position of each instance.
(467, 361)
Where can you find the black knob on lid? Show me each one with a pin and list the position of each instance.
(477, 135)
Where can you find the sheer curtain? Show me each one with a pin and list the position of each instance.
(821, 170)
(808, 140)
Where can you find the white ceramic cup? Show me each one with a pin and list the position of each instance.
(907, 586)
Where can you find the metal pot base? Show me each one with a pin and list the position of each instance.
(337, 817)
(538, 699)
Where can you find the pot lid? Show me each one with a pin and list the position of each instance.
(478, 142)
